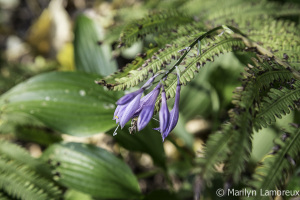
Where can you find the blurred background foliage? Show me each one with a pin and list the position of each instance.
(50, 56)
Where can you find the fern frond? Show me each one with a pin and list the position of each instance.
(277, 165)
(19, 181)
(280, 37)
(184, 30)
(136, 65)
(139, 69)
(279, 102)
(240, 148)
(241, 10)
(24, 177)
(258, 78)
(20, 155)
(211, 46)
(154, 23)
(216, 151)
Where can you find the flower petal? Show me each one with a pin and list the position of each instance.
(148, 84)
(147, 99)
(130, 110)
(119, 112)
(174, 114)
(128, 97)
(147, 108)
(145, 117)
(164, 113)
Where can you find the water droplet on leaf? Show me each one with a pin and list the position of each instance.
(82, 93)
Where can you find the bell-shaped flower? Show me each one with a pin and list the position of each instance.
(128, 97)
(129, 104)
(164, 113)
(146, 108)
(174, 114)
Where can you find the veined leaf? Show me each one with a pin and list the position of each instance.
(69, 102)
(90, 56)
(143, 141)
(92, 170)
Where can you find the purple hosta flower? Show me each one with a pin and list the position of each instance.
(130, 103)
(128, 97)
(172, 119)
(164, 113)
(146, 108)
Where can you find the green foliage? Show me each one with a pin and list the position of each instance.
(183, 35)
(278, 102)
(87, 44)
(19, 178)
(155, 23)
(276, 166)
(91, 170)
(59, 100)
(143, 141)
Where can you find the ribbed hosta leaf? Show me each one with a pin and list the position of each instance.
(143, 141)
(92, 170)
(69, 102)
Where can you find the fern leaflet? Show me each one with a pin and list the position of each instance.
(275, 166)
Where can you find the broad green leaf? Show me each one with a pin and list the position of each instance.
(91, 56)
(146, 141)
(92, 170)
(69, 102)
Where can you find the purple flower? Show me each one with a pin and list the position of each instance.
(129, 104)
(173, 117)
(129, 97)
(164, 113)
(146, 108)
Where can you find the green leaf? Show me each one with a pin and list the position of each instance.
(89, 55)
(92, 170)
(69, 102)
(146, 141)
